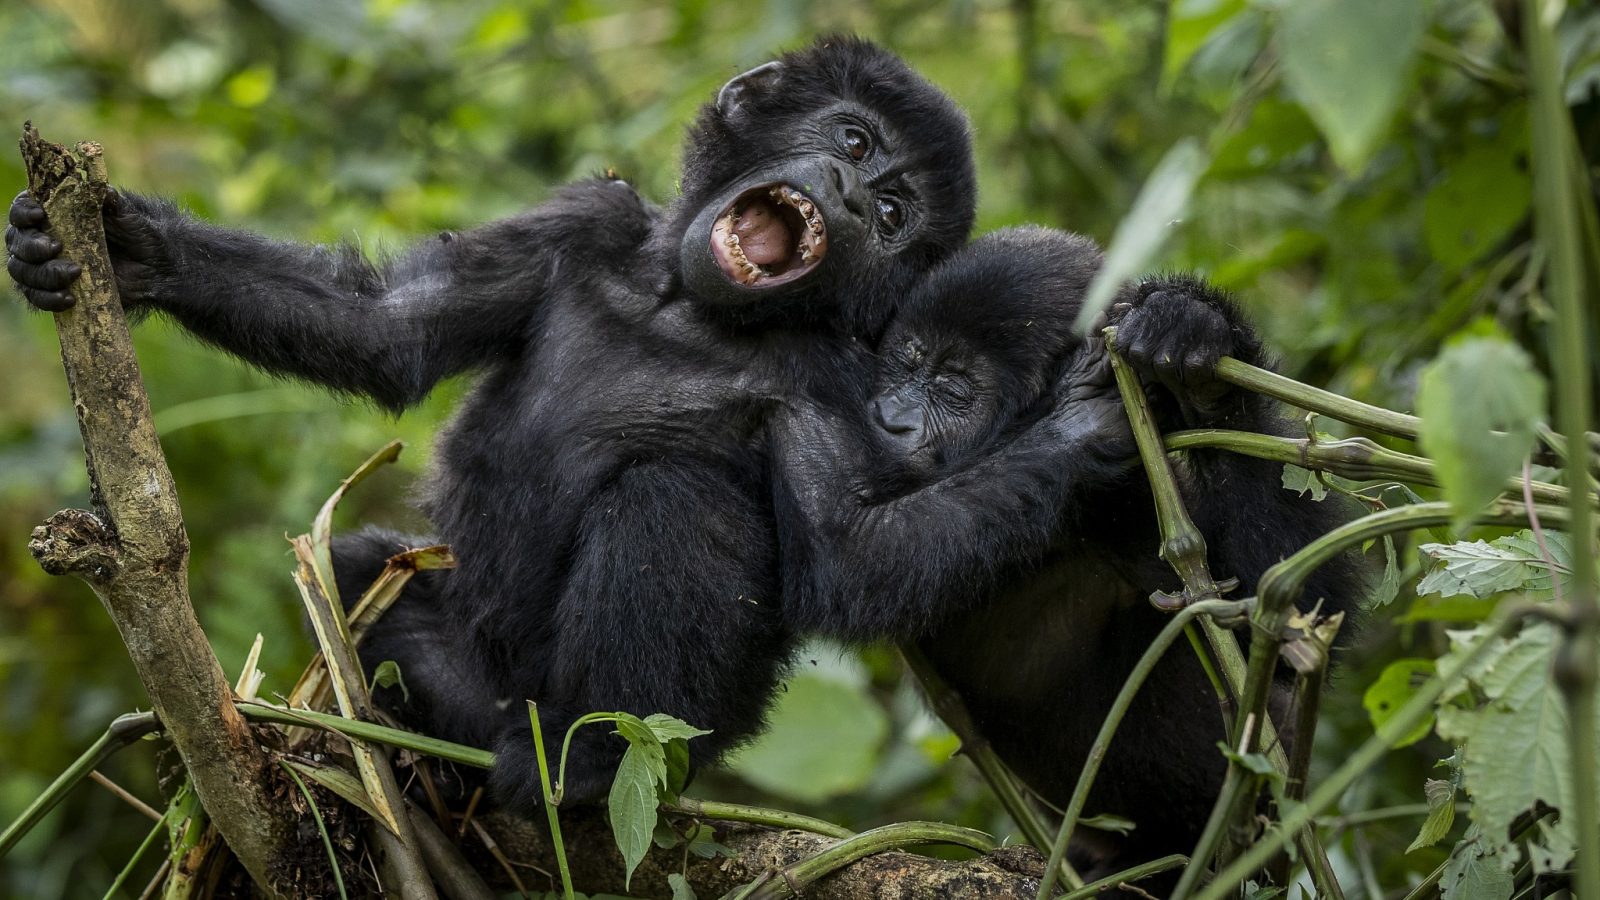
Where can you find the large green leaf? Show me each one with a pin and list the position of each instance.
(1347, 61)
(1140, 236)
(1486, 568)
(632, 807)
(1511, 725)
(1480, 401)
(1397, 684)
(824, 740)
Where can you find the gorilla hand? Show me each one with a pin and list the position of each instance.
(43, 278)
(1173, 332)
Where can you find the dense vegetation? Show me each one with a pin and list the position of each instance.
(1359, 172)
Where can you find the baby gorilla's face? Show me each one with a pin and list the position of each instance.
(937, 397)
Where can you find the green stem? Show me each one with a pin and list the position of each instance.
(1356, 458)
(1127, 876)
(890, 837)
(138, 854)
(1413, 712)
(1556, 193)
(122, 731)
(1316, 399)
(1119, 707)
(367, 731)
(755, 815)
(322, 827)
(550, 803)
(566, 745)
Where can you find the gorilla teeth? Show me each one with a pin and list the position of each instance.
(809, 235)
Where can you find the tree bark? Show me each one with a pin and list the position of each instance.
(132, 549)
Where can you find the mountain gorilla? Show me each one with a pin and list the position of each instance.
(983, 502)
(605, 486)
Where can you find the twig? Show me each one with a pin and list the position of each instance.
(132, 550)
(794, 879)
(1143, 870)
(122, 794)
(1315, 399)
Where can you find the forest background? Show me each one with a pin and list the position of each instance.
(1365, 206)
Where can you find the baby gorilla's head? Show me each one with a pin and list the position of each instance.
(974, 351)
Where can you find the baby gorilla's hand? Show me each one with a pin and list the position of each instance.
(1089, 410)
(1173, 332)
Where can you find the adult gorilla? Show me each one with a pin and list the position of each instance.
(605, 486)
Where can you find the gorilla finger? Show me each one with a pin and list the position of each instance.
(1201, 363)
(31, 245)
(27, 213)
(49, 301)
(53, 275)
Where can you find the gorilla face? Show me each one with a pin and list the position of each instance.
(823, 179)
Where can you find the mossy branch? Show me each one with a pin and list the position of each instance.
(132, 549)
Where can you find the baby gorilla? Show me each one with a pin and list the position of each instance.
(940, 512)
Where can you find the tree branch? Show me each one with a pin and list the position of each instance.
(132, 549)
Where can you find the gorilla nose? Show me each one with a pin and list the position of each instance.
(896, 416)
(852, 193)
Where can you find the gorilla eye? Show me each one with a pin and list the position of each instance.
(890, 214)
(856, 143)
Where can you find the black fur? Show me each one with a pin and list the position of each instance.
(605, 487)
(1022, 565)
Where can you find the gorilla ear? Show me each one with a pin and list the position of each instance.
(741, 88)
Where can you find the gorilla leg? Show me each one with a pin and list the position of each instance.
(669, 607)
(449, 689)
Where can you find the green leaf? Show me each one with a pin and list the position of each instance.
(1140, 236)
(1485, 568)
(1511, 724)
(666, 728)
(677, 763)
(1303, 481)
(1480, 402)
(1394, 687)
(703, 843)
(1476, 202)
(632, 808)
(824, 740)
(1441, 796)
(680, 887)
(1389, 586)
(1475, 872)
(388, 675)
(1190, 23)
(1346, 61)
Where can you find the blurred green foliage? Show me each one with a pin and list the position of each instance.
(1367, 196)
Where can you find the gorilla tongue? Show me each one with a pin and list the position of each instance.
(763, 236)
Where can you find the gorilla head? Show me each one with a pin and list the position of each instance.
(835, 171)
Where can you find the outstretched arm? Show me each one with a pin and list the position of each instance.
(864, 568)
(326, 314)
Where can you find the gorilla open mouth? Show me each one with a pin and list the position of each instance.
(769, 235)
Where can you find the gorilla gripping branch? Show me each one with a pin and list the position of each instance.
(132, 549)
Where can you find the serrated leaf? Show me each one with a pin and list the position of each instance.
(1190, 23)
(1303, 481)
(1346, 61)
(631, 807)
(1139, 237)
(680, 887)
(1441, 796)
(1480, 402)
(1512, 726)
(1475, 872)
(1485, 568)
(666, 728)
(1397, 684)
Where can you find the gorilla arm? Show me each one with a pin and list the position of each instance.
(326, 314)
(864, 568)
